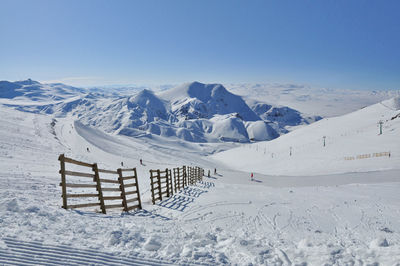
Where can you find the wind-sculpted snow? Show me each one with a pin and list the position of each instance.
(193, 112)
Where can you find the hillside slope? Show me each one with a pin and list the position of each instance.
(349, 139)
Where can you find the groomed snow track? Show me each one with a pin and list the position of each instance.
(35, 253)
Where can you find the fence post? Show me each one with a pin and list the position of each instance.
(137, 189)
(167, 177)
(61, 158)
(184, 177)
(122, 188)
(175, 184)
(179, 180)
(98, 187)
(159, 183)
(171, 183)
(152, 187)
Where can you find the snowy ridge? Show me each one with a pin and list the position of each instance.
(30, 90)
(193, 112)
(326, 102)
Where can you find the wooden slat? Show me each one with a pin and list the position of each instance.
(130, 185)
(111, 189)
(69, 160)
(79, 185)
(102, 180)
(82, 195)
(107, 171)
(131, 200)
(128, 177)
(78, 174)
(133, 207)
(83, 205)
(113, 206)
(157, 199)
(111, 197)
(130, 192)
(125, 170)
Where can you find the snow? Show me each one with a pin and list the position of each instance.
(311, 208)
(191, 111)
(325, 102)
(301, 152)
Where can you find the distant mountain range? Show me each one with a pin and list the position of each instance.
(193, 111)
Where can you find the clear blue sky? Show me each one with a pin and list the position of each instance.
(338, 44)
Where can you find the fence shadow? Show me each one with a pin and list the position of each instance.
(176, 202)
(204, 184)
(193, 192)
(145, 213)
(185, 197)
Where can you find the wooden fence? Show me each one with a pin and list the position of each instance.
(368, 155)
(163, 185)
(107, 191)
(180, 178)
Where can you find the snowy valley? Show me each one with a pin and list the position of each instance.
(316, 197)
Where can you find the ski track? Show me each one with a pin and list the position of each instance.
(34, 253)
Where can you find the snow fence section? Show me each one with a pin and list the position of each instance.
(109, 189)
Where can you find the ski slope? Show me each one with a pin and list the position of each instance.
(302, 151)
(313, 217)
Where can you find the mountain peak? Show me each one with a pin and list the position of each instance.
(198, 90)
(393, 103)
(27, 82)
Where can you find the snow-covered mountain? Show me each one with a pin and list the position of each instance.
(350, 141)
(193, 112)
(326, 102)
(347, 218)
(30, 90)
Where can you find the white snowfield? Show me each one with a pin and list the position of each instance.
(302, 151)
(324, 210)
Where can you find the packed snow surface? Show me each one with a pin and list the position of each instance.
(330, 211)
